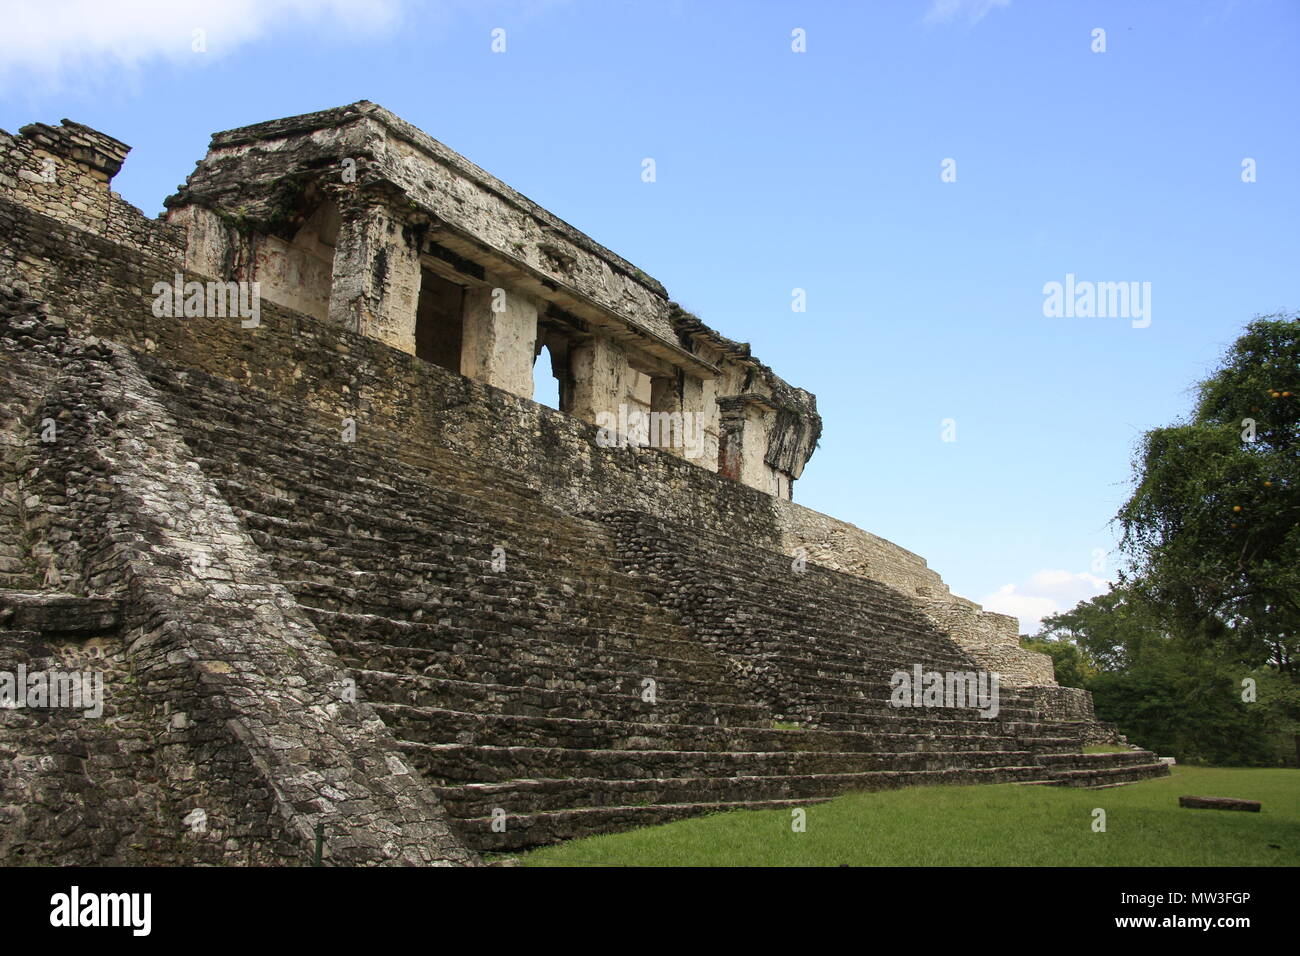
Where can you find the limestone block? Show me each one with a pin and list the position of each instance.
(1219, 803)
(375, 279)
(500, 339)
(600, 378)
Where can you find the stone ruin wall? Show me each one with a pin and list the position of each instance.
(65, 172)
(101, 267)
(992, 638)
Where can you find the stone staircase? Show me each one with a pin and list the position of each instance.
(556, 675)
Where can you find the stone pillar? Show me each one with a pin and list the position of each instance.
(601, 377)
(375, 280)
(745, 427)
(700, 397)
(731, 438)
(500, 339)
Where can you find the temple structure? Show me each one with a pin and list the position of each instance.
(287, 549)
(354, 216)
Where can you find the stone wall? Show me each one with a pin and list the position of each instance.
(117, 789)
(64, 172)
(1074, 704)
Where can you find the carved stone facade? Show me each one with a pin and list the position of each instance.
(355, 216)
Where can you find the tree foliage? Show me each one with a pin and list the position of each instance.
(1194, 653)
(1110, 630)
(1167, 693)
(1212, 529)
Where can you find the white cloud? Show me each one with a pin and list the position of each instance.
(945, 11)
(49, 41)
(1046, 592)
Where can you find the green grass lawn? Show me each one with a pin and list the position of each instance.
(1003, 825)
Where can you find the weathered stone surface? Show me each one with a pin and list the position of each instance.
(1219, 803)
(270, 200)
(54, 613)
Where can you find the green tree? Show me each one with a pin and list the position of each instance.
(1212, 529)
(1109, 630)
(1166, 692)
(1071, 665)
(1187, 706)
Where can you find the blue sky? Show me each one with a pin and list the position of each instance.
(821, 171)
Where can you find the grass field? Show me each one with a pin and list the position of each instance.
(1002, 825)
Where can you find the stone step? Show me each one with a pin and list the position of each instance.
(540, 663)
(472, 697)
(451, 605)
(417, 645)
(1084, 761)
(769, 628)
(1097, 777)
(542, 829)
(819, 588)
(312, 439)
(581, 678)
(551, 660)
(308, 484)
(455, 763)
(922, 717)
(795, 667)
(539, 795)
(567, 637)
(434, 725)
(525, 830)
(412, 538)
(821, 703)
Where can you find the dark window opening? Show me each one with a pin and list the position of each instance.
(439, 321)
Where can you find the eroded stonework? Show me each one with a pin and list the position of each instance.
(353, 215)
(338, 572)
